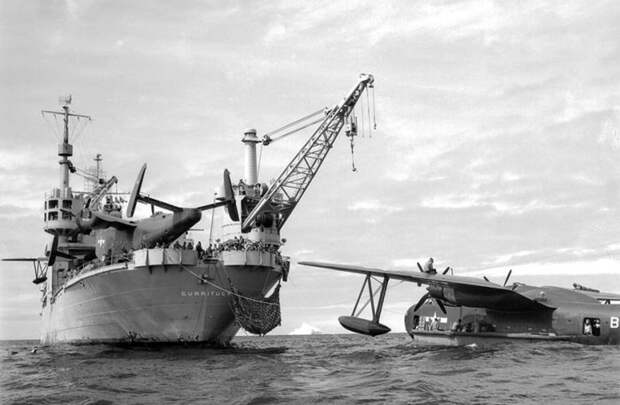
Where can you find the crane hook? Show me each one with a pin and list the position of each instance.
(353, 168)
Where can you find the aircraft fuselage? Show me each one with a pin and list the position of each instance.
(160, 228)
(572, 317)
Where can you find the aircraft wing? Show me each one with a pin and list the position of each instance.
(103, 220)
(25, 259)
(457, 290)
(601, 296)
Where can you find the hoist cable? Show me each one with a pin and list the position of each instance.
(368, 108)
(211, 227)
(52, 126)
(275, 131)
(260, 158)
(277, 138)
(374, 109)
(352, 157)
(362, 119)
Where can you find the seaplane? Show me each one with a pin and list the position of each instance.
(460, 311)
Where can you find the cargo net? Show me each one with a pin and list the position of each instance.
(257, 316)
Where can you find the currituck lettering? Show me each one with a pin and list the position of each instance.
(185, 293)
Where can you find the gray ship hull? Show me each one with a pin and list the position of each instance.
(171, 303)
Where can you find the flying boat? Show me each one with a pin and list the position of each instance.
(459, 310)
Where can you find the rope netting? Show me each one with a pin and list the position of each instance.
(257, 316)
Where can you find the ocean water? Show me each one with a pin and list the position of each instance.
(311, 369)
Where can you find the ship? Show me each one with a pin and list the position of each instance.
(109, 277)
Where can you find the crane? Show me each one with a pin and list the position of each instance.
(287, 190)
(100, 191)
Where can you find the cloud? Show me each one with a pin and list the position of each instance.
(511, 256)
(303, 252)
(8, 211)
(373, 206)
(276, 32)
(471, 200)
(407, 262)
(601, 266)
(497, 141)
(344, 306)
(305, 329)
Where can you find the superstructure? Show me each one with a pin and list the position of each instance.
(109, 278)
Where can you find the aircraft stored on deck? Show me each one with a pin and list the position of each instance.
(109, 278)
(460, 310)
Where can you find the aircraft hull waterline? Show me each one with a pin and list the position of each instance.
(481, 326)
(125, 303)
(448, 338)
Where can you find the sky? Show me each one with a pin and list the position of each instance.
(497, 144)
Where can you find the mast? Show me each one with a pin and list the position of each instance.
(61, 202)
(65, 149)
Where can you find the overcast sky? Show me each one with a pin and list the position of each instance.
(497, 142)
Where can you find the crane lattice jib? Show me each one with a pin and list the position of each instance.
(101, 190)
(289, 187)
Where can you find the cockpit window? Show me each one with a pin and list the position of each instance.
(591, 326)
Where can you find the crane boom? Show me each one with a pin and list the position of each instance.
(289, 187)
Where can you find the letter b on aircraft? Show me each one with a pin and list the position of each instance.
(614, 322)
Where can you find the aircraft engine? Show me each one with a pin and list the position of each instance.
(442, 293)
(85, 225)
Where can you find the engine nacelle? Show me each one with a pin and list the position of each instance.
(442, 293)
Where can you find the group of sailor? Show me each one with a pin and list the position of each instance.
(434, 324)
(238, 243)
(591, 326)
(214, 249)
(243, 244)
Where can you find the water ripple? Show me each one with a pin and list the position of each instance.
(339, 369)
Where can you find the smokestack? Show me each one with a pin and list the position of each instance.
(251, 171)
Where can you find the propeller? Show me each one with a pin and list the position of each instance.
(136, 196)
(231, 206)
(507, 277)
(53, 252)
(430, 268)
(505, 281)
(135, 193)
(228, 199)
(441, 306)
(423, 300)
